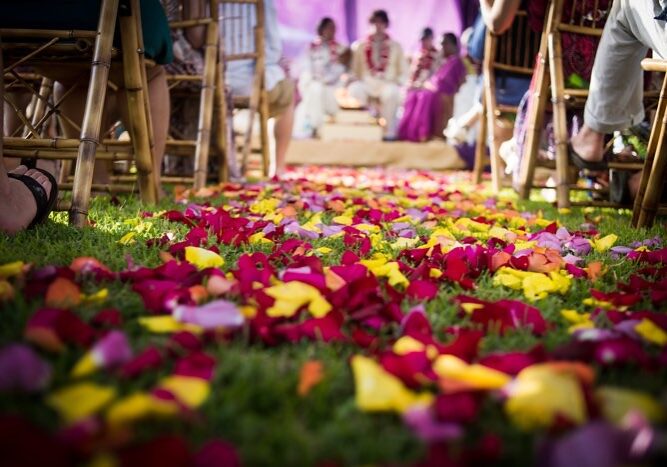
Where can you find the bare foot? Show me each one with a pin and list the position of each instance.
(19, 207)
(589, 144)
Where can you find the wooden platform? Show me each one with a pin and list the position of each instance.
(434, 155)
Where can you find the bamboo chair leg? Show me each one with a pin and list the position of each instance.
(656, 180)
(206, 107)
(656, 131)
(137, 109)
(92, 119)
(559, 119)
(222, 116)
(535, 125)
(264, 132)
(480, 147)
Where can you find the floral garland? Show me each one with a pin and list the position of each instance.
(385, 50)
(424, 61)
(334, 47)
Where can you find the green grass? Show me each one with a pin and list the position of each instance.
(254, 404)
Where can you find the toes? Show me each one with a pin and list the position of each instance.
(20, 170)
(41, 179)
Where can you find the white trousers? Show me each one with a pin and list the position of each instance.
(317, 101)
(615, 101)
(389, 95)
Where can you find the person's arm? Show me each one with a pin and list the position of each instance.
(498, 15)
(194, 9)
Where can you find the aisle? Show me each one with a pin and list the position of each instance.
(342, 316)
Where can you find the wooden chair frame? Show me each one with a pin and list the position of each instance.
(501, 53)
(211, 94)
(86, 149)
(562, 98)
(652, 185)
(257, 102)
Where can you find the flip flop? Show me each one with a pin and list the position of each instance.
(45, 204)
(582, 163)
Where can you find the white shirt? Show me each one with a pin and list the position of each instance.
(240, 73)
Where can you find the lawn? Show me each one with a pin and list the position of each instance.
(340, 317)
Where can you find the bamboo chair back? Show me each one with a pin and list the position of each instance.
(650, 198)
(205, 87)
(242, 24)
(93, 49)
(573, 20)
(512, 52)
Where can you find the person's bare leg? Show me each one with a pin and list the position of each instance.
(159, 104)
(589, 144)
(73, 108)
(283, 135)
(18, 207)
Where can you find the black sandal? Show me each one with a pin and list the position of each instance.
(45, 204)
(583, 164)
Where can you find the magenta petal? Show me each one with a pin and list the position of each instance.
(461, 407)
(213, 315)
(217, 453)
(112, 350)
(422, 290)
(424, 424)
(149, 359)
(197, 364)
(21, 369)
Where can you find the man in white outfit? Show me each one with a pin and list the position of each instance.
(615, 101)
(317, 83)
(379, 70)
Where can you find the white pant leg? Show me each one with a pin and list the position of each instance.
(390, 100)
(329, 100)
(616, 91)
(358, 90)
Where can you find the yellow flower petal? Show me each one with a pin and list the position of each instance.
(11, 269)
(192, 392)
(406, 345)
(203, 258)
(617, 402)
(539, 393)
(81, 400)
(475, 375)
(651, 332)
(167, 324)
(128, 238)
(603, 244)
(139, 406)
(291, 296)
(378, 391)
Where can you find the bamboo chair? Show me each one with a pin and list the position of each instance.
(93, 49)
(564, 98)
(513, 52)
(210, 83)
(648, 200)
(242, 24)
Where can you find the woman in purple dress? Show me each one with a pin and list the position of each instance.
(428, 107)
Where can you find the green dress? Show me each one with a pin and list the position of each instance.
(84, 14)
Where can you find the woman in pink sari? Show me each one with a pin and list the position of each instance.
(428, 107)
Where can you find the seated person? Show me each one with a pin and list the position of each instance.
(317, 83)
(615, 101)
(239, 77)
(429, 106)
(82, 14)
(378, 67)
(426, 62)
